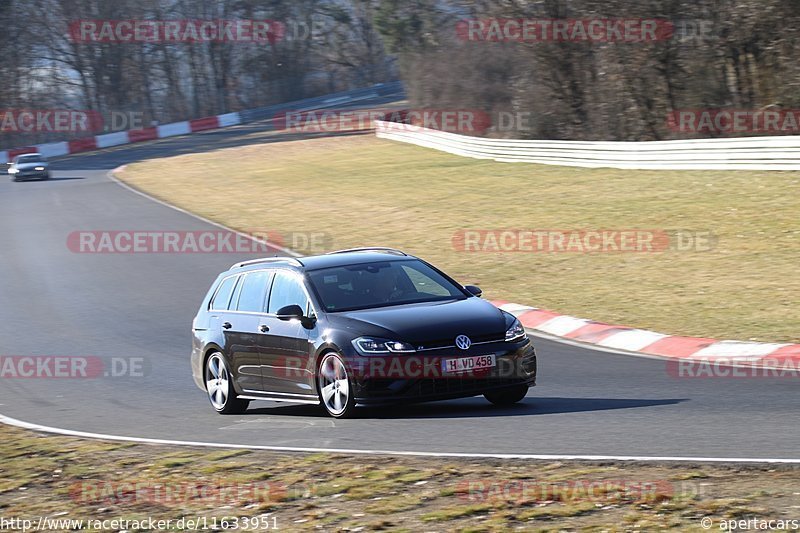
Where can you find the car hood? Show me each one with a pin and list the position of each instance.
(431, 324)
(29, 166)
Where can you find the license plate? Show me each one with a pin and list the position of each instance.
(467, 364)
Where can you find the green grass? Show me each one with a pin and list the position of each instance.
(41, 475)
(366, 191)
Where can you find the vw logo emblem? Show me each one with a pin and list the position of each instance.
(463, 342)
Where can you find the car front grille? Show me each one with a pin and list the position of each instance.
(450, 343)
(433, 387)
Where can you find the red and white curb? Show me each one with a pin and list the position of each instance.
(530, 317)
(627, 340)
(98, 142)
(607, 337)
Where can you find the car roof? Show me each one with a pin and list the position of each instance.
(351, 258)
(331, 260)
(31, 154)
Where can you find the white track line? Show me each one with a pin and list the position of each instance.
(301, 449)
(141, 440)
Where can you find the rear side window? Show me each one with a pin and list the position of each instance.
(287, 290)
(254, 289)
(223, 297)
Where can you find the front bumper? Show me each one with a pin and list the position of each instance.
(30, 175)
(417, 377)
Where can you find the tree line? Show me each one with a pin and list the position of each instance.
(707, 54)
(323, 46)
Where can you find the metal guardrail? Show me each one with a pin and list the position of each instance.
(321, 102)
(379, 92)
(742, 153)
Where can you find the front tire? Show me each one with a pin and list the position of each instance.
(219, 385)
(508, 396)
(335, 387)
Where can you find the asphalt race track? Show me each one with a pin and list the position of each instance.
(56, 302)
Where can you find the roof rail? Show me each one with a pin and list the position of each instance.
(276, 259)
(370, 249)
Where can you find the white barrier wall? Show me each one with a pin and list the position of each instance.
(176, 128)
(112, 139)
(53, 149)
(754, 153)
(229, 119)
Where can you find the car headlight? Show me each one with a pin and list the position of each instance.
(516, 332)
(12, 171)
(376, 346)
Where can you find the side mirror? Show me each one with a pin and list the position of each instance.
(473, 290)
(291, 312)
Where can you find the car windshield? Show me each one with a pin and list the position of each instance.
(382, 284)
(29, 159)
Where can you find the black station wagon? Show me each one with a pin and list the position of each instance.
(354, 327)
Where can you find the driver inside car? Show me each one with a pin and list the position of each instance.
(385, 287)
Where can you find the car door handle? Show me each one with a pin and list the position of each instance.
(263, 328)
(227, 325)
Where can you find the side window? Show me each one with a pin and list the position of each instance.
(254, 288)
(237, 291)
(287, 289)
(221, 300)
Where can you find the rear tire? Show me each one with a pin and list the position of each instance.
(219, 386)
(508, 396)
